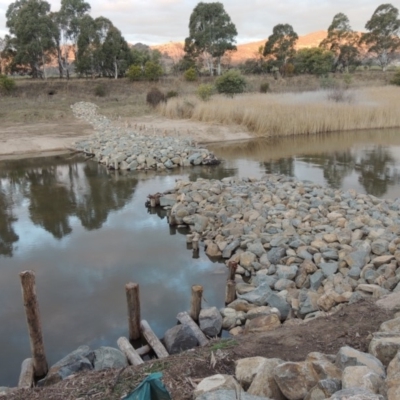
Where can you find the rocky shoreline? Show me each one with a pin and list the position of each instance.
(122, 149)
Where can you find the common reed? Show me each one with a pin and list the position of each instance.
(294, 113)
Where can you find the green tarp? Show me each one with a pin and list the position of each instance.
(150, 389)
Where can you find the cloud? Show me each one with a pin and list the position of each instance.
(160, 21)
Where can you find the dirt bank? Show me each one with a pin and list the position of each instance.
(351, 326)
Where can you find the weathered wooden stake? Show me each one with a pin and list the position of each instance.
(26, 377)
(184, 319)
(153, 340)
(143, 350)
(195, 304)
(152, 202)
(230, 294)
(133, 300)
(130, 353)
(34, 326)
(232, 270)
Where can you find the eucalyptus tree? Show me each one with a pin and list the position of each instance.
(68, 21)
(382, 38)
(211, 34)
(342, 41)
(32, 33)
(2, 47)
(281, 45)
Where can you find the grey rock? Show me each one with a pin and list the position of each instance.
(358, 258)
(286, 272)
(200, 223)
(230, 248)
(276, 254)
(379, 247)
(108, 357)
(168, 200)
(329, 269)
(228, 395)
(316, 280)
(210, 321)
(258, 296)
(281, 304)
(180, 338)
(356, 394)
(256, 248)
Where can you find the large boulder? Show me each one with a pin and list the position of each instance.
(210, 321)
(216, 382)
(263, 323)
(224, 394)
(347, 357)
(393, 378)
(322, 366)
(247, 369)
(295, 379)
(109, 357)
(324, 389)
(264, 383)
(355, 394)
(179, 338)
(392, 325)
(384, 346)
(361, 377)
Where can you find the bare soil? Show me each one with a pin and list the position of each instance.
(293, 341)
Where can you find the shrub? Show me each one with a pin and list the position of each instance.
(347, 79)
(153, 71)
(230, 83)
(155, 97)
(170, 94)
(191, 74)
(327, 82)
(100, 90)
(205, 91)
(340, 95)
(264, 87)
(7, 85)
(135, 73)
(396, 78)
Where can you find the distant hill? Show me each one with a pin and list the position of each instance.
(244, 51)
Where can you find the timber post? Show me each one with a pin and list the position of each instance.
(195, 304)
(230, 294)
(133, 300)
(31, 305)
(232, 270)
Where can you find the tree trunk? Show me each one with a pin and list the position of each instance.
(219, 66)
(115, 69)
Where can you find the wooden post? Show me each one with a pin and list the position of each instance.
(130, 353)
(230, 294)
(143, 350)
(195, 304)
(184, 319)
(232, 270)
(152, 202)
(153, 340)
(133, 300)
(26, 377)
(34, 326)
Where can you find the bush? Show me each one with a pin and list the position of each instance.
(205, 91)
(396, 79)
(153, 71)
(7, 85)
(347, 79)
(170, 94)
(230, 83)
(155, 97)
(327, 82)
(190, 74)
(264, 87)
(135, 73)
(100, 90)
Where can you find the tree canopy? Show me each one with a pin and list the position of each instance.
(281, 44)
(382, 38)
(211, 34)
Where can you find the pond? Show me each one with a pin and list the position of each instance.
(86, 233)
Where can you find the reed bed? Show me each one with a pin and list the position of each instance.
(289, 114)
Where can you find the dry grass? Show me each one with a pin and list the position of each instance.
(295, 113)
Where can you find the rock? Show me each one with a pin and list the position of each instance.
(276, 254)
(238, 330)
(258, 296)
(392, 325)
(324, 389)
(260, 311)
(210, 321)
(381, 260)
(379, 246)
(355, 394)
(79, 360)
(247, 369)
(168, 200)
(358, 258)
(179, 338)
(241, 305)
(393, 378)
(295, 379)
(316, 280)
(384, 346)
(361, 377)
(216, 382)
(347, 356)
(264, 383)
(228, 395)
(227, 252)
(262, 324)
(329, 269)
(213, 250)
(246, 259)
(256, 248)
(200, 223)
(375, 290)
(310, 304)
(286, 272)
(108, 357)
(323, 368)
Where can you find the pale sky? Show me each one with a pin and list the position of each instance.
(161, 21)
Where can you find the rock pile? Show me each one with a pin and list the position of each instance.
(301, 249)
(119, 148)
(347, 375)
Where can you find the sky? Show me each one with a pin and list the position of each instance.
(161, 21)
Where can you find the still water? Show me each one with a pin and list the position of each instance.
(86, 232)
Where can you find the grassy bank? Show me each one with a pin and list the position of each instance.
(295, 113)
